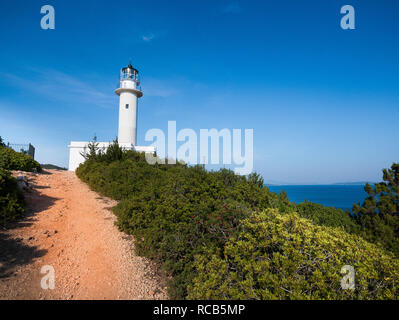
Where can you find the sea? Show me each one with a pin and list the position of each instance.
(338, 196)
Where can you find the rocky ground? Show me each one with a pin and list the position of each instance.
(71, 229)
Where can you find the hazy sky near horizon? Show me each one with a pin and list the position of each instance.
(323, 101)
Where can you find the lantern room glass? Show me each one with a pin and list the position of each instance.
(129, 74)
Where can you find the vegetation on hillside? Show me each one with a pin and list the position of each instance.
(216, 234)
(277, 256)
(11, 198)
(52, 166)
(13, 160)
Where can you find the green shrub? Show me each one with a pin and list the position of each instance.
(11, 199)
(327, 216)
(283, 256)
(12, 160)
(177, 213)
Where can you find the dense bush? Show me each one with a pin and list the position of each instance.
(12, 160)
(327, 216)
(177, 213)
(279, 256)
(11, 199)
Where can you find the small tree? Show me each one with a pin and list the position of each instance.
(379, 214)
(2, 144)
(93, 150)
(114, 152)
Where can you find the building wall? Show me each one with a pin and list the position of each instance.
(77, 148)
(76, 151)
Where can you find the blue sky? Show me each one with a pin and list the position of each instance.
(323, 101)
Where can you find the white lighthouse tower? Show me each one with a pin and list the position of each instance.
(129, 92)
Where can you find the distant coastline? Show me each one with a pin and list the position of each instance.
(359, 183)
(355, 183)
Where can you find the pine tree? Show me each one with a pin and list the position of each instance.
(378, 216)
(93, 150)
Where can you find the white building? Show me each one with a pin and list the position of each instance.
(129, 92)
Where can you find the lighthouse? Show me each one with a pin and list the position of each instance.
(129, 92)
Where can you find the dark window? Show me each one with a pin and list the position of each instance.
(127, 106)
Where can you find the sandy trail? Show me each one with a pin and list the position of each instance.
(71, 228)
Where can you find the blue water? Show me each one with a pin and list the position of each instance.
(339, 196)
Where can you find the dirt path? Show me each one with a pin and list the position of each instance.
(71, 228)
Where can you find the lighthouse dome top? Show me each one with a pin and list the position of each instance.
(130, 68)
